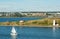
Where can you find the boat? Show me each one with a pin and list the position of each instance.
(13, 31)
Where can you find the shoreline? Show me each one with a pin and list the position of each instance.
(27, 26)
(17, 17)
(46, 22)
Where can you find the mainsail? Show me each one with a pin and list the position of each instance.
(13, 30)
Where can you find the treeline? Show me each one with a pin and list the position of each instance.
(21, 14)
(11, 14)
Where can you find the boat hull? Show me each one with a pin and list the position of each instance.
(13, 34)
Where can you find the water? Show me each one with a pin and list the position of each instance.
(18, 19)
(30, 33)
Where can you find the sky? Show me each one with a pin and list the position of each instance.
(29, 5)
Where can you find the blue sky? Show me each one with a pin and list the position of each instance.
(29, 5)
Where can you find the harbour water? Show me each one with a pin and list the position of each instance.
(30, 32)
(18, 19)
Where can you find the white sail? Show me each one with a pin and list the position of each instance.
(53, 22)
(13, 30)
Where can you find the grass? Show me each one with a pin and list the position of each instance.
(40, 22)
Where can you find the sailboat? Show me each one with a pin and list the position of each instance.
(13, 31)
